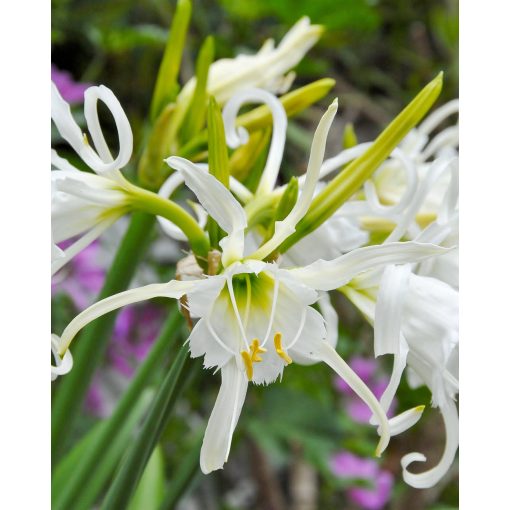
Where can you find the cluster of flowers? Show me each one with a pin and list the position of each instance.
(259, 300)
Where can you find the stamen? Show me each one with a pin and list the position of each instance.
(279, 349)
(252, 357)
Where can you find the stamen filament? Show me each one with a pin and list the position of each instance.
(236, 311)
(273, 309)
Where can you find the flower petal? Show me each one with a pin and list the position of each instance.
(432, 476)
(286, 227)
(238, 136)
(332, 274)
(173, 289)
(224, 417)
(328, 355)
(405, 420)
(219, 203)
(62, 365)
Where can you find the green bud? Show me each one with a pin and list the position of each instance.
(350, 138)
(167, 85)
(294, 102)
(345, 184)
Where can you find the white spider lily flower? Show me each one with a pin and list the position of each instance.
(85, 204)
(255, 318)
(416, 320)
(266, 69)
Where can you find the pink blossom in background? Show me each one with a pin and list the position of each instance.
(70, 90)
(374, 497)
(366, 369)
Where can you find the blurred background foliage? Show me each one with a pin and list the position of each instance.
(381, 53)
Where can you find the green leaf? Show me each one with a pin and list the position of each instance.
(195, 117)
(91, 345)
(345, 184)
(138, 454)
(94, 453)
(151, 488)
(166, 87)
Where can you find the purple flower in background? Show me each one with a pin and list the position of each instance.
(366, 369)
(83, 278)
(348, 465)
(69, 89)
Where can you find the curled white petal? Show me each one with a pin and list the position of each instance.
(432, 476)
(237, 136)
(405, 420)
(286, 227)
(343, 157)
(223, 419)
(435, 118)
(62, 365)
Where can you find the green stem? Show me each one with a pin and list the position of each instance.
(90, 349)
(99, 449)
(152, 203)
(138, 455)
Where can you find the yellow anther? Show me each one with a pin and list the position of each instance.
(248, 364)
(252, 357)
(279, 349)
(256, 350)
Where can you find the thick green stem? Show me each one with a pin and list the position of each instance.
(138, 455)
(99, 449)
(152, 203)
(89, 351)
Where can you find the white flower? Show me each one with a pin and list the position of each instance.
(266, 69)
(82, 202)
(255, 318)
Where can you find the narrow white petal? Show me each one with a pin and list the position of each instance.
(61, 163)
(329, 356)
(173, 289)
(218, 202)
(224, 417)
(332, 274)
(330, 318)
(405, 420)
(432, 476)
(389, 309)
(435, 118)
(449, 138)
(286, 227)
(237, 136)
(342, 158)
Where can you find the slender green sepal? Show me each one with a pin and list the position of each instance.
(80, 467)
(167, 86)
(350, 139)
(152, 169)
(345, 184)
(294, 102)
(195, 118)
(137, 456)
(151, 489)
(89, 351)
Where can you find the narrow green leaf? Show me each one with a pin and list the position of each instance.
(166, 87)
(346, 183)
(138, 454)
(183, 477)
(151, 489)
(195, 117)
(94, 452)
(91, 345)
(218, 154)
